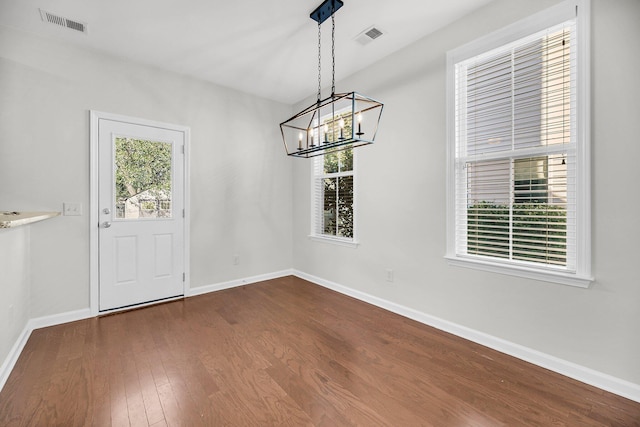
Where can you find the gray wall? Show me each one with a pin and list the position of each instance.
(240, 178)
(401, 202)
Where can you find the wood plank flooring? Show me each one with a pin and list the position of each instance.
(284, 352)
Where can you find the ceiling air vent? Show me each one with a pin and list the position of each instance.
(368, 35)
(61, 21)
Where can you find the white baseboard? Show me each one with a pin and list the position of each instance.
(200, 290)
(58, 319)
(12, 357)
(32, 324)
(583, 374)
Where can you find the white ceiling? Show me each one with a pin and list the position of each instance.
(268, 48)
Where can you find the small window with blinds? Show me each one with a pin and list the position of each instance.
(333, 202)
(517, 156)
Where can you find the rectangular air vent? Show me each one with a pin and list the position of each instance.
(368, 35)
(374, 33)
(61, 21)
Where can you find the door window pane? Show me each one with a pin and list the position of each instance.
(142, 178)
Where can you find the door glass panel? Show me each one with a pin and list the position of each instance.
(142, 178)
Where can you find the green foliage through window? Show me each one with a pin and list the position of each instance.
(337, 194)
(142, 176)
(538, 232)
(338, 206)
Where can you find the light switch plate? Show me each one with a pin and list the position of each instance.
(72, 209)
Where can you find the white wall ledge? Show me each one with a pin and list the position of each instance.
(10, 219)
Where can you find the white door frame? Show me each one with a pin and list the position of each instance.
(94, 274)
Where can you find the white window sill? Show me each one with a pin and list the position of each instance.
(522, 271)
(335, 241)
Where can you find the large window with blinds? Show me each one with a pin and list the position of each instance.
(517, 150)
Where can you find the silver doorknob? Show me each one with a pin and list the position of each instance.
(106, 211)
(106, 224)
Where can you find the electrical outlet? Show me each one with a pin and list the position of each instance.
(72, 209)
(389, 275)
(236, 259)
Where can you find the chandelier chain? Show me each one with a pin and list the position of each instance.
(319, 63)
(333, 53)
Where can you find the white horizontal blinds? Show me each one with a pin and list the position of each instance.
(334, 195)
(543, 76)
(487, 212)
(539, 214)
(515, 151)
(318, 196)
(489, 105)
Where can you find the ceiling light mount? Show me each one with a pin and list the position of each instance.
(325, 10)
(338, 122)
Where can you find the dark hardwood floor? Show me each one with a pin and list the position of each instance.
(284, 352)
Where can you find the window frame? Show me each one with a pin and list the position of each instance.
(316, 210)
(567, 10)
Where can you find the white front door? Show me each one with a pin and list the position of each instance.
(141, 202)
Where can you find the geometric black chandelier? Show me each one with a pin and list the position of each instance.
(338, 122)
